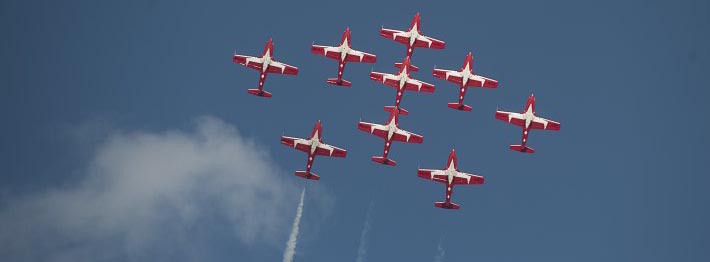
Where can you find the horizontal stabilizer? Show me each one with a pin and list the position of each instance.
(341, 82)
(445, 205)
(307, 175)
(412, 68)
(523, 149)
(458, 106)
(402, 111)
(258, 92)
(384, 161)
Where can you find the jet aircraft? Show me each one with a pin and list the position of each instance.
(313, 146)
(265, 64)
(464, 78)
(450, 176)
(528, 120)
(343, 53)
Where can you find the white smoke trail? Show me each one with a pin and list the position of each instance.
(440, 252)
(364, 236)
(290, 251)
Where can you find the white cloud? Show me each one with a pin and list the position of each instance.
(155, 196)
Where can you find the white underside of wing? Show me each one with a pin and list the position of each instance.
(278, 65)
(253, 59)
(416, 83)
(479, 79)
(450, 73)
(327, 147)
(386, 77)
(301, 141)
(399, 33)
(424, 39)
(327, 49)
(404, 133)
(357, 53)
(542, 121)
(465, 176)
(435, 172)
(512, 116)
(374, 127)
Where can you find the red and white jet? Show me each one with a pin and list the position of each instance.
(450, 176)
(313, 146)
(465, 78)
(402, 82)
(528, 120)
(265, 64)
(343, 53)
(412, 37)
(390, 132)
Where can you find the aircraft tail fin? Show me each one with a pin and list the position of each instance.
(402, 111)
(307, 175)
(339, 82)
(460, 106)
(521, 148)
(384, 161)
(412, 68)
(445, 205)
(258, 92)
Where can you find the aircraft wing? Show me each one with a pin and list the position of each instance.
(448, 75)
(419, 86)
(297, 143)
(281, 68)
(510, 117)
(481, 81)
(327, 51)
(360, 57)
(328, 150)
(386, 79)
(541, 123)
(248, 61)
(429, 42)
(459, 179)
(408, 137)
(433, 174)
(467, 179)
(396, 35)
(375, 129)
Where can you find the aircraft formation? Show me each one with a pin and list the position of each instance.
(401, 81)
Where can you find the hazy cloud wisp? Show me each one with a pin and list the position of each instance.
(440, 252)
(365, 234)
(146, 195)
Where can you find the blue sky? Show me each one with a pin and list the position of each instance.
(120, 120)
